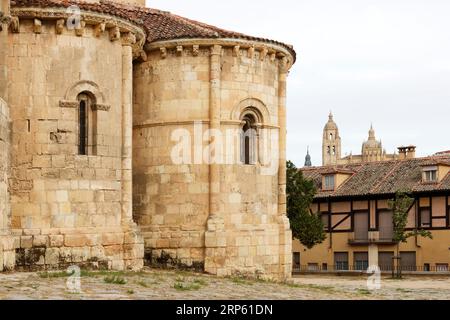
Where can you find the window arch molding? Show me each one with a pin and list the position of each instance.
(71, 97)
(252, 113)
(254, 106)
(85, 86)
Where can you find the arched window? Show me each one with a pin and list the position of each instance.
(328, 150)
(331, 136)
(248, 140)
(334, 150)
(87, 124)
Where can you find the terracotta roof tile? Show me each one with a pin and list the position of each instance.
(159, 25)
(381, 178)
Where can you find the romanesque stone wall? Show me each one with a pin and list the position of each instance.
(7, 253)
(170, 199)
(6, 241)
(66, 207)
(255, 235)
(4, 165)
(175, 91)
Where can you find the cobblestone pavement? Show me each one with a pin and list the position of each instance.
(157, 284)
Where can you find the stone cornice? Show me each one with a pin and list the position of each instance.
(275, 52)
(101, 23)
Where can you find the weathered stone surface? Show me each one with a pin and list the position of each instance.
(237, 203)
(73, 203)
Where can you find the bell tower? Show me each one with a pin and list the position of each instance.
(331, 143)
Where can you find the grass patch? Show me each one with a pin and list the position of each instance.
(130, 292)
(179, 286)
(182, 284)
(200, 282)
(364, 292)
(115, 279)
(241, 281)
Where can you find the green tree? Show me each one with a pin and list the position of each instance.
(400, 207)
(306, 226)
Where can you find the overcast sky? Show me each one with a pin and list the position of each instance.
(380, 61)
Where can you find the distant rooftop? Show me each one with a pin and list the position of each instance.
(381, 178)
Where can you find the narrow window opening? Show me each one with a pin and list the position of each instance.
(28, 125)
(248, 141)
(83, 137)
(87, 124)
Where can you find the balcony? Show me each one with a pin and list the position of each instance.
(379, 238)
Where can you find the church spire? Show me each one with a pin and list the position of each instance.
(371, 132)
(308, 162)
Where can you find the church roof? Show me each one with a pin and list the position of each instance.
(159, 25)
(381, 178)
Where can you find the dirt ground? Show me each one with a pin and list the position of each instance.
(176, 285)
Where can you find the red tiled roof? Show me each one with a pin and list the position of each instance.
(442, 153)
(159, 25)
(381, 178)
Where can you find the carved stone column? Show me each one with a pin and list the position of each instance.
(133, 240)
(214, 114)
(4, 24)
(285, 233)
(215, 237)
(127, 126)
(283, 72)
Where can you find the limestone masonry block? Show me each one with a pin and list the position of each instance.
(88, 173)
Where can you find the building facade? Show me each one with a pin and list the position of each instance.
(353, 201)
(90, 98)
(371, 150)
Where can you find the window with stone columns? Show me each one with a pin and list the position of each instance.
(87, 124)
(249, 140)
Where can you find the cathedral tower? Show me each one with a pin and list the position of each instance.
(331, 143)
(372, 149)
